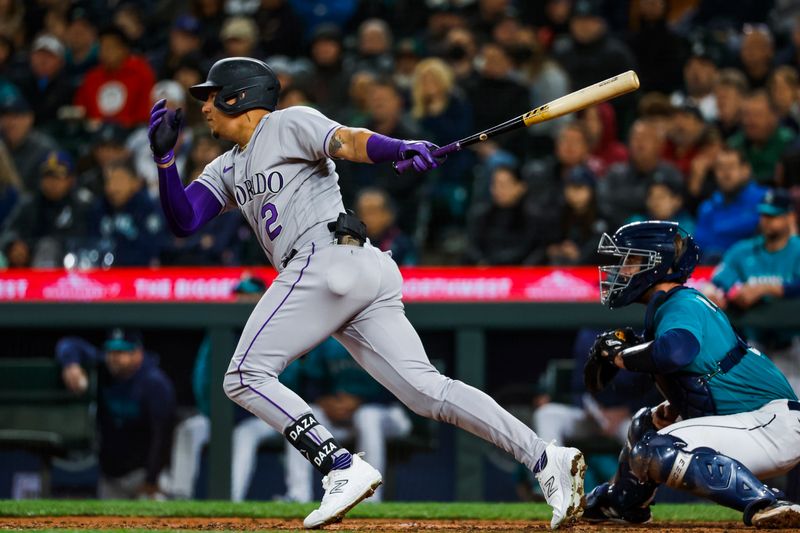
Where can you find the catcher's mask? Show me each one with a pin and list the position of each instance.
(649, 252)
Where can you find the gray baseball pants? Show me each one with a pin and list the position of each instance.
(354, 294)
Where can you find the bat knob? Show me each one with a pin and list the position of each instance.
(483, 137)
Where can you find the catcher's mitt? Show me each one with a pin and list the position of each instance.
(599, 369)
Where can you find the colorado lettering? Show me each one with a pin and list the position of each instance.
(259, 183)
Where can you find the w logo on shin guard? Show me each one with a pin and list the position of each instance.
(337, 486)
(549, 486)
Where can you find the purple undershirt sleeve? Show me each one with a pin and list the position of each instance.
(381, 148)
(186, 210)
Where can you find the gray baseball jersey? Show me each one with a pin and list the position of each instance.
(283, 181)
(285, 184)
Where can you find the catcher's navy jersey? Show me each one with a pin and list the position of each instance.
(750, 384)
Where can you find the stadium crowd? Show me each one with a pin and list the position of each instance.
(714, 124)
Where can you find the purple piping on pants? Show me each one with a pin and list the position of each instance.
(239, 368)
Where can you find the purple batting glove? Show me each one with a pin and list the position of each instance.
(420, 154)
(163, 130)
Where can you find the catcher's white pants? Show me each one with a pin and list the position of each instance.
(372, 426)
(766, 441)
(353, 293)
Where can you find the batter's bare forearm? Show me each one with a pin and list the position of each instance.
(350, 144)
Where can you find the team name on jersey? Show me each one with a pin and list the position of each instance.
(259, 183)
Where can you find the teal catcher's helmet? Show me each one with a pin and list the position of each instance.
(649, 252)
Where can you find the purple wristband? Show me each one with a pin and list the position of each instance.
(381, 148)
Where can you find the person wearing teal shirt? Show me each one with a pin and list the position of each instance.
(352, 404)
(730, 418)
(766, 268)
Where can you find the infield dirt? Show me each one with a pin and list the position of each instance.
(355, 524)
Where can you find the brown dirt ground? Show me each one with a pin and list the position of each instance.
(349, 524)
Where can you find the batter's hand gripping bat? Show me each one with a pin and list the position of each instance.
(575, 101)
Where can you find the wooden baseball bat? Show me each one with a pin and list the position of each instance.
(574, 101)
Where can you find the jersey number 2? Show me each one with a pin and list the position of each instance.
(270, 213)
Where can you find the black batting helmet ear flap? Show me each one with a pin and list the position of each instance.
(250, 83)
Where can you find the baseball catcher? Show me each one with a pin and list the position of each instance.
(729, 419)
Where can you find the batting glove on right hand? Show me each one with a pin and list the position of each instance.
(599, 369)
(165, 126)
(420, 154)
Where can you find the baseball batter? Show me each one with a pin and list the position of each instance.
(730, 418)
(331, 281)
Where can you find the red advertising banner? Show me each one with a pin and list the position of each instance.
(422, 284)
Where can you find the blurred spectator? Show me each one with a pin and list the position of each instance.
(767, 268)
(665, 201)
(239, 37)
(622, 193)
(45, 223)
(488, 15)
(547, 81)
(184, 39)
(657, 108)
(600, 123)
(660, 53)
(329, 83)
(127, 218)
(375, 208)
(730, 215)
(135, 410)
(205, 149)
(346, 399)
(687, 136)
(281, 28)
(108, 144)
(138, 143)
(581, 226)
(83, 48)
(128, 18)
(699, 78)
(790, 55)
(406, 58)
(443, 112)
(211, 14)
(28, 146)
(118, 89)
(730, 92)
(756, 54)
(496, 96)
(314, 13)
(591, 54)
(12, 20)
(190, 71)
(45, 83)
(546, 176)
(374, 51)
(553, 20)
(762, 139)
(783, 86)
(460, 50)
(9, 184)
(507, 230)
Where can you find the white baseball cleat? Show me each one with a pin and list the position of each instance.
(781, 514)
(344, 489)
(562, 484)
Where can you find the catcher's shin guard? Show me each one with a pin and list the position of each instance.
(702, 472)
